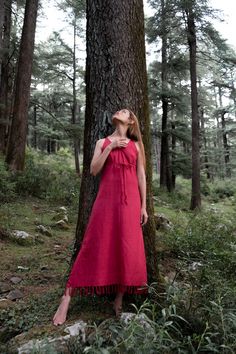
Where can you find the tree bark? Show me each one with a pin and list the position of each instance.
(224, 136)
(165, 171)
(5, 25)
(74, 108)
(192, 42)
(115, 78)
(17, 138)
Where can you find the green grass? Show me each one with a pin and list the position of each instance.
(196, 312)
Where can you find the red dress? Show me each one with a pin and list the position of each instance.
(112, 255)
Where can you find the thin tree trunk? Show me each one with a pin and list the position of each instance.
(192, 41)
(35, 127)
(165, 174)
(17, 138)
(115, 78)
(224, 136)
(173, 148)
(74, 108)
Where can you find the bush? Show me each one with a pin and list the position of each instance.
(50, 177)
(7, 186)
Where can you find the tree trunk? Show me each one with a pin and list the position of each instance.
(17, 138)
(115, 78)
(5, 24)
(74, 108)
(224, 136)
(173, 148)
(192, 42)
(34, 142)
(165, 173)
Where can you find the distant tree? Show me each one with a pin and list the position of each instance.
(5, 26)
(15, 156)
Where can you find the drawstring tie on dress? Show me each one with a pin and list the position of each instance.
(122, 167)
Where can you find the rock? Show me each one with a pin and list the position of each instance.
(66, 219)
(20, 234)
(22, 268)
(15, 280)
(61, 215)
(77, 329)
(63, 209)
(162, 222)
(44, 267)
(62, 225)
(194, 265)
(54, 343)
(4, 287)
(5, 304)
(42, 345)
(15, 295)
(43, 230)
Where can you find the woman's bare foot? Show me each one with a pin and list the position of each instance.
(60, 316)
(117, 305)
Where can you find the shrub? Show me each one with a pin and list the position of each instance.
(7, 186)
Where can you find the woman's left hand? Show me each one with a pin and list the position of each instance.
(144, 216)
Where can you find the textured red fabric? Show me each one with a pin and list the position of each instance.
(112, 255)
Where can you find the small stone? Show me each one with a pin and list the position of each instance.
(62, 225)
(57, 246)
(43, 230)
(15, 295)
(4, 287)
(15, 280)
(22, 268)
(44, 267)
(5, 304)
(20, 234)
(66, 219)
(63, 209)
(77, 329)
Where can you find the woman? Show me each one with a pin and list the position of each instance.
(112, 255)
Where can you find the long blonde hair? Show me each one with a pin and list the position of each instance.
(134, 133)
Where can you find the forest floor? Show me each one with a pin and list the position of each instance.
(42, 263)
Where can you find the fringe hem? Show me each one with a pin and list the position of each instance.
(105, 289)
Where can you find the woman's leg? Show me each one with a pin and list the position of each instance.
(117, 307)
(61, 313)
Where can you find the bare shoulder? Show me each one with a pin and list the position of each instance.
(100, 142)
(137, 145)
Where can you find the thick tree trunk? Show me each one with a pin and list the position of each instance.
(115, 78)
(5, 25)
(17, 139)
(165, 171)
(191, 30)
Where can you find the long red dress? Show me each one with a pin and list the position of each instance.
(112, 255)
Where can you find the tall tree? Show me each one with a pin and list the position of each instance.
(115, 78)
(192, 42)
(5, 25)
(15, 156)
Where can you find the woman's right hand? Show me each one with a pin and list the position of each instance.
(118, 142)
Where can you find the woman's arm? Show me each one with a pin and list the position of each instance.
(99, 157)
(142, 186)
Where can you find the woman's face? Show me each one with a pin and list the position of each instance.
(122, 115)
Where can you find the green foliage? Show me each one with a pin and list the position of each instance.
(49, 177)
(7, 186)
